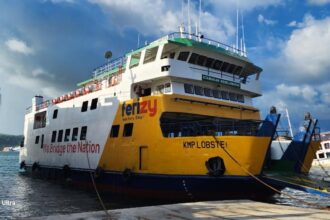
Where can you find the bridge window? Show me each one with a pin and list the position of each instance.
(135, 59)
(183, 56)
(193, 58)
(209, 62)
(168, 88)
(201, 60)
(224, 67)
(217, 64)
(114, 131)
(128, 130)
(150, 55)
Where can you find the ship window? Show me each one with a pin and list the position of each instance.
(208, 92)
(231, 68)
(128, 130)
(75, 134)
(55, 113)
(84, 106)
(42, 141)
(238, 70)
(224, 67)
(326, 146)
(217, 64)
(232, 97)
(199, 90)
(39, 120)
(67, 135)
(172, 55)
(150, 55)
(201, 60)
(168, 88)
(175, 124)
(321, 155)
(135, 59)
(183, 55)
(83, 133)
(209, 62)
(224, 95)
(94, 103)
(37, 140)
(60, 136)
(240, 98)
(216, 93)
(53, 136)
(193, 58)
(160, 89)
(114, 131)
(188, 88)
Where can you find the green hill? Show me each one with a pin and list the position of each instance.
(10, 140)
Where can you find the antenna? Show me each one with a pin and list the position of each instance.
(243, 35)
(289, 122)
(138, 40)
(236, 24)
(189, 25)
(199, 17)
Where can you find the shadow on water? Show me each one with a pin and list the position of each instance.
(22, 196)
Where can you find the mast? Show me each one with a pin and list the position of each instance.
(289, 122)
(189, 25)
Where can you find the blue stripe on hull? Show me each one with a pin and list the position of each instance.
(168, 187)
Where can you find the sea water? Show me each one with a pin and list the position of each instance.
(22, 196)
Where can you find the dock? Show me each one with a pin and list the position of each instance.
(228, 209)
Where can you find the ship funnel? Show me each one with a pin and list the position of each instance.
(37, 100)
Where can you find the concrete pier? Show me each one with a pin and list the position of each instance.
(231, 209)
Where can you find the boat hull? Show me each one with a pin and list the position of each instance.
(158, 187)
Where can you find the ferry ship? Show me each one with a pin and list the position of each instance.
(323, 152)
(173, 119)
(295, 153)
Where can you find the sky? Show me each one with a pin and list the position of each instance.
(48, 46)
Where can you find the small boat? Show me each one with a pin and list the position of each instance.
(323, 154)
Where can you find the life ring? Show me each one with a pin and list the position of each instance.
(127, 175)
(215, 166)
(22, 165)
(35, 166)
(98, 173)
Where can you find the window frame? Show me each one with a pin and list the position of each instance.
(84, 106)
(114, 132)
(94, 103)
(128, 129)
(83, 133)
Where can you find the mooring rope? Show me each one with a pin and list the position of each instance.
(266, 184)
(95, 188)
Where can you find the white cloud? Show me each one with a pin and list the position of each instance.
(292, 24)
(318, 2)
(263, 20)
(307, 51)
(18, 46)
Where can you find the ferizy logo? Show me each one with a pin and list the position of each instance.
(139, 108)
